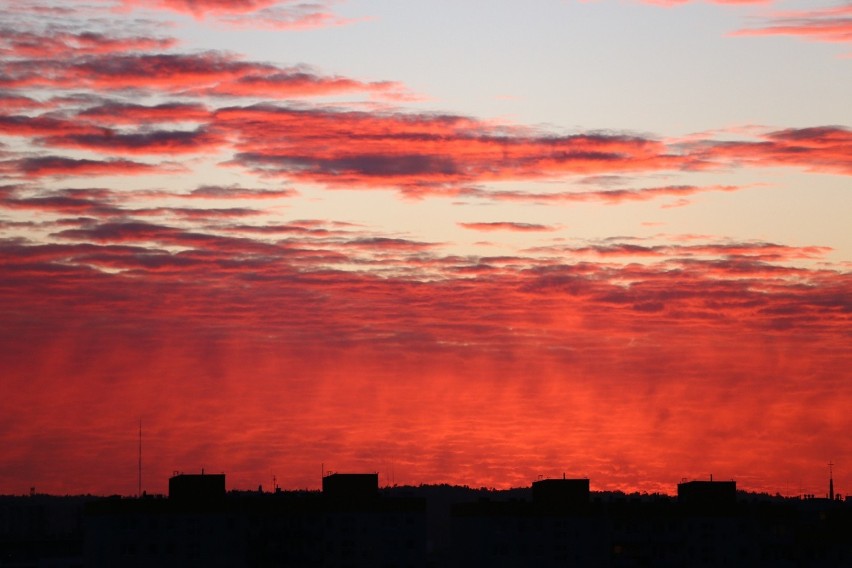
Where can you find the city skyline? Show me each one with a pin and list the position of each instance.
(607, 238)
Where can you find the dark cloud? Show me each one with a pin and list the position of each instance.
(237, 192)
(154, 142)
(61, 166)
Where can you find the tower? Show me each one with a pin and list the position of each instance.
(139, 490)
(830, 481)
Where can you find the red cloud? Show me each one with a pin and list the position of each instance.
(61, 166)
(64, 44)
(203, 73)
(61, 203)
(281, 14)
(200, 7)
(819, 149)
(827, 24)
(309, 338)
(124, 113)
(293, 82)
(22, 125)
(489, 354)
(396, 150)
(156, 142)
(11, 101)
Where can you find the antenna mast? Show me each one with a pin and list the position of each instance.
(830, 481)
(139, 492)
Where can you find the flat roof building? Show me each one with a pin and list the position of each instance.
(351, 485)
(707, 494)
(197, 487)
(559, 493)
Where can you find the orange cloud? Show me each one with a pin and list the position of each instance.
(608, 196)
(507, 226)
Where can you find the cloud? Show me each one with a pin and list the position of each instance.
(201, 7)
(295, 82)
(759, 251)
(61, 203)
(13, 101)
(303, 16)
(507, 226)
(388, 244)
(208, 73)
(608, 196)
(60, 166)
(310, 338)
(53, 43)
(670, 3)
(175, 323)
(22, 125)
(97, 203)
(824, 149)
(348, 148)
(155, 142)
(419, 154)
(278, 14)
(113, 113)
(826, 25)
(425, 154)
(237, 192)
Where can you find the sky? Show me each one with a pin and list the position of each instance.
(448, 242)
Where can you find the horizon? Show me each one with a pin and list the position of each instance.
(389, 484)
(602, 237)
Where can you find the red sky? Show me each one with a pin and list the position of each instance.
(189, 236)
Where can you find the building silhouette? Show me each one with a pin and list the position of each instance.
(354, 522)
(707, 495)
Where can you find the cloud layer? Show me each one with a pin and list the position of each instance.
(260, 327)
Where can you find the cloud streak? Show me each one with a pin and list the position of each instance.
(60, 167)
(507, 226)
(278, 14)
(833, 25)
